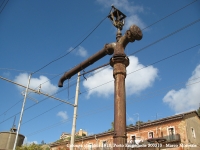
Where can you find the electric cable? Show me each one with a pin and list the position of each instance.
(127, 75)
(170, 14)
(71, 49)
(12, 69)
(159, 39)
(4, 6)
(83, 115)
(2, 3)
(33, 105)
(139, 69)
(190, 24)
(104, 19)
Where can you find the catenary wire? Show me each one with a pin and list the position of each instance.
(127, 74)
(71, 49)
(146, 28)
(163, 39)
(2, 3)
(3, 6)
(112, 80)
(83, 115)
(170, 14)
(154, 22)
(147, 45)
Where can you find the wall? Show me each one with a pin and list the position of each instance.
(193, 130)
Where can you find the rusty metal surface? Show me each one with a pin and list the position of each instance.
(107, 50)
(119, 62)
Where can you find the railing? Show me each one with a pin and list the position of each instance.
(173, 138)
(164, 139)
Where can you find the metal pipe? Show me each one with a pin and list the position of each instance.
(107, 50)
(119, 62)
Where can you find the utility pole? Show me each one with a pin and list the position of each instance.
(75, 114)
(25, 96)
(119, 62)
(22, 111)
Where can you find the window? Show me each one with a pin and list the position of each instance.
(90, 147)
(104, 145)
(132, 141)
(193, 133)
(150, 135)
(171, 131)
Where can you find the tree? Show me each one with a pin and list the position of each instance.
(112, 127)
(30, 147)
(139, 122)
(42, 142)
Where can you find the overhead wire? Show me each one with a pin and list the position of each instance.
(2, 3)
(71, 49)
(127, 75)
(167, 37)
(97, 111)
(18, 70)
(170, 14)
(163, 39)
(4, 6)
(143, 29)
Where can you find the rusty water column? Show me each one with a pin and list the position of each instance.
(119, 62)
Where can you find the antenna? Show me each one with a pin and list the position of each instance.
(14, 122)
(13, 129)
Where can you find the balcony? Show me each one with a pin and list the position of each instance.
(164, 139)
(172, 138)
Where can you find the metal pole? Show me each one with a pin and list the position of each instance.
(75, 114)
(22, 111)
(138, 121)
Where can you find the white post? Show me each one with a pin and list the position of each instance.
(75, 114)
(22, 111)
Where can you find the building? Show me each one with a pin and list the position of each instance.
(81, 132)
(7, 139)
(65, 136)
(178, 132)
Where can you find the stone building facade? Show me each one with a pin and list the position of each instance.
(178, 132)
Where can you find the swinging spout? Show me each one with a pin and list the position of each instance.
(107, 50)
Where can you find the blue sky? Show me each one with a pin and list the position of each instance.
(33, 33)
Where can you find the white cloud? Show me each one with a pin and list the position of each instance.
(187, 98)
(26, 142)
(135, 82)
(81, 51)
(47, 87)
(130, 9)
(63, 115)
